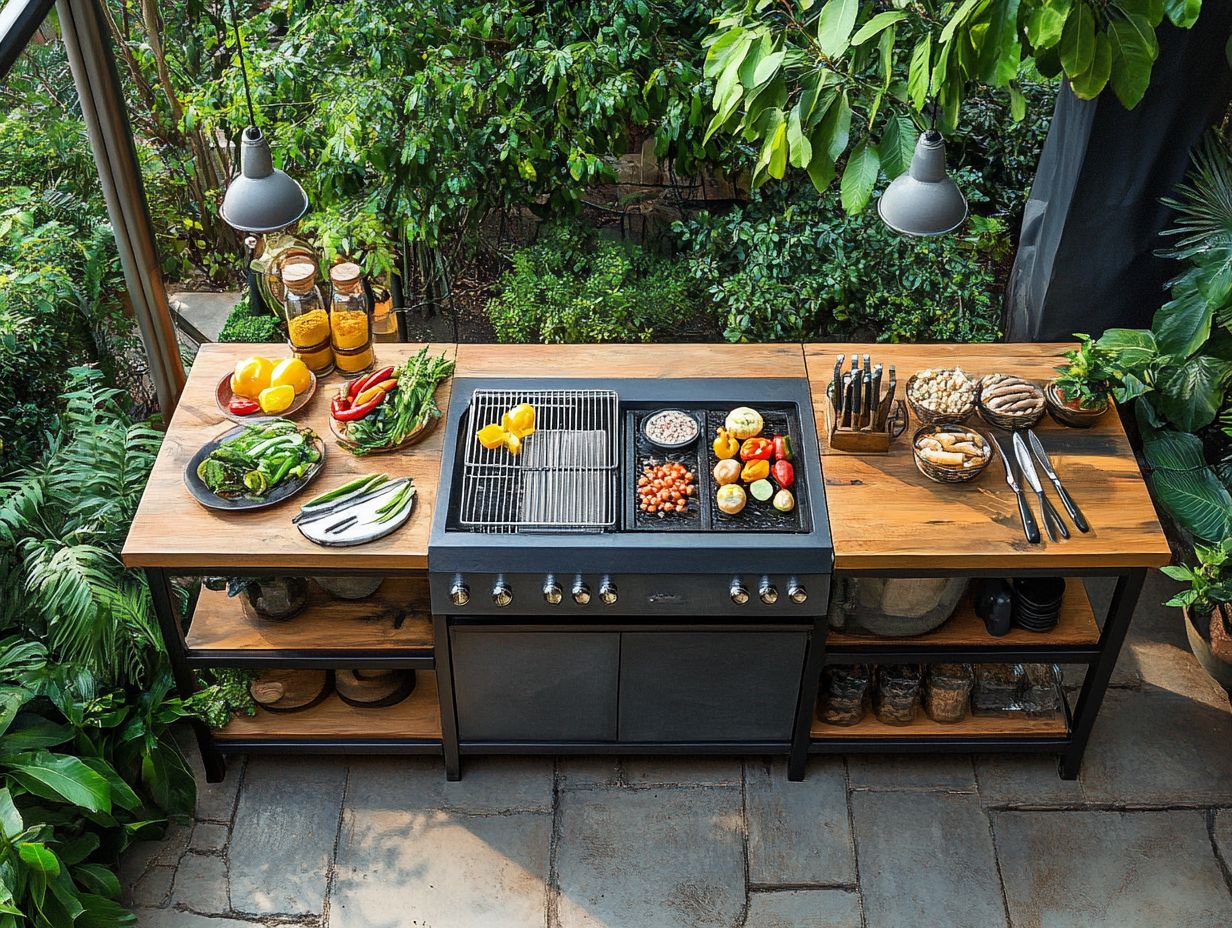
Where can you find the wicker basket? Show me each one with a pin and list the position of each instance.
(939, 472)
(1068, 415)
(1009, 422)
(926, 416)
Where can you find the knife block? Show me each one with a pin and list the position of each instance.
(889, 422)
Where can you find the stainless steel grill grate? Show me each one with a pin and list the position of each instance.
(565, 479)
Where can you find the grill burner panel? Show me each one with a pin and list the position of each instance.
(565, 478)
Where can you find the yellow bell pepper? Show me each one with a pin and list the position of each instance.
(520, 420)
(513, 443)
(726, 445)
(755, 470)
(491, 436)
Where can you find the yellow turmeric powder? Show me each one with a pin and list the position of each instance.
(351, 340)
(309, 336)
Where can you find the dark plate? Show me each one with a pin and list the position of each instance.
(675, 445)
(210, 500)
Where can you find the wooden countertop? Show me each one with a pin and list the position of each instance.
(171, 529)
(886, 515)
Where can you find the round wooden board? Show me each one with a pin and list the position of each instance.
(284, 690)
(210, 500)
(223, 397)
(373, 689)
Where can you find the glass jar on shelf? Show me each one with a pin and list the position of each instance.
(350, 319)
(384, 322)
(307, 318)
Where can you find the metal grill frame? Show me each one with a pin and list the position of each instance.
(566, 478)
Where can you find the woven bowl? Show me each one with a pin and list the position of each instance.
(926, 416)
(1068, 415)
(1008, 422)
(940, 472)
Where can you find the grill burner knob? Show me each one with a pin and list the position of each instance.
(501, 594)
(459, 594)
(552, 593)
(768, 592)
(607, 592)
(581, 593)
(797, 593)
(739, 593)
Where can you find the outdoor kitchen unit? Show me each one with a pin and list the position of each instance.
(577, 621)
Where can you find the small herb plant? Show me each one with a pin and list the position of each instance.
(1210, 582)
(1088, 376)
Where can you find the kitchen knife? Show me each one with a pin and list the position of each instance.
(1028, 521)
(876, 423)
(857, 393)
(838, 375)
(868, 394)
(1052, 520)
(846, 410)
(1045, 462)
(867, 365)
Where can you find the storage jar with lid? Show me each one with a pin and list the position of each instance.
(350, 319)
(307, 318)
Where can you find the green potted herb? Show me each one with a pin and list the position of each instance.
(1079, 394)
(1205, 603)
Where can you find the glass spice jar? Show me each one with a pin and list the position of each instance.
(307, 318)
(350, 320)
(384, 322)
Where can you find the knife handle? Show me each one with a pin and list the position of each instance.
(1071, 507)
(1028, 520)
(1052, 519)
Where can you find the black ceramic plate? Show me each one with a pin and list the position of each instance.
(210, 500)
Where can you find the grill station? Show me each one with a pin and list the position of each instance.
(574, 618)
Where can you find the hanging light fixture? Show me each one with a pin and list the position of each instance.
(923, 200)
(260, 198)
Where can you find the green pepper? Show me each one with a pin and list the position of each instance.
(782, 448)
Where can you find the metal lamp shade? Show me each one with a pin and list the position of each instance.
(923, 200)
(261, 198)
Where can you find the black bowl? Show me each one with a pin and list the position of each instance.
(1040, 591)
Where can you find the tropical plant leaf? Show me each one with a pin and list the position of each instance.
(61, 776)
(1169, 449)
(859, 176)
(1078, 41)
(1134, 349)
(1046, 22)
(1183, 13)
(1191, 392)
(897, 145)
(834, 25)
(876, 24)
(918, 72)
(11, 822)
(1134, 50)
(1090, 83)
(1183, 324)
(1197, 500)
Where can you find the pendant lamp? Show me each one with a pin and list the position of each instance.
(924, 200)
(260, 198)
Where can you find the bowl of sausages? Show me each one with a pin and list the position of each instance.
(1009, 402)
(950, 453)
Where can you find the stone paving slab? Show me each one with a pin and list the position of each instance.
(670, 858)
(489, 785)
(650, 770)
(799, 833)
(201, 884)
(805, 908)
(398, 868)
(1222, 833)
(911, 771)
(1118, 870)
(926, 859)
(283, 842)
(1025, 780)
(209, 836)
(172, 918)
(588, 772)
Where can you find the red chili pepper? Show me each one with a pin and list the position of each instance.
(243, 406)
(359, 410)
(784, 474)
(756, 449)
(390, 385)
(782, 448)
(360, 384)
(338, 405)
(365, 395)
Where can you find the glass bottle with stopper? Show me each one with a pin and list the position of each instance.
(308, 329)
(350, 320)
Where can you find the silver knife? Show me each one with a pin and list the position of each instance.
(1028, 521)
(1045, 462)
(1052, 521)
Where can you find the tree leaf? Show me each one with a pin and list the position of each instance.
(918, 72)
(1089, 84)
(897, 145)
(859, 177)
(800, 149)
(39, 857)
(959, 17)
(1134, 50)
(720, 52)
(1018, 103)
(813, 98)
(1191, 392)
(768, 67)
(1183, 13)
(834, 25)
(10, 818)
(778, 150)
(1078, 41)
(1046, 22)
(876, 24)
(836, 127)
(821, 168)
(1000, 53)
(59, 776)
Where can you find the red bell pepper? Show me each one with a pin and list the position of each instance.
(243, 406)
(359, 410)
(360, 384)
(783, 473)
(782, 448)
(756, 449)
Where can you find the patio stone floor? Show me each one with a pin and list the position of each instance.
(1143, 838)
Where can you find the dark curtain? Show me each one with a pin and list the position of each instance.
(1086, 259)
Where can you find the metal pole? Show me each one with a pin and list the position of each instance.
(102, 107)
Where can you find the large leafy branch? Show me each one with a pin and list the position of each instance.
(813, 86)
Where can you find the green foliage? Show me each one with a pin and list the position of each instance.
(246, 324)
(225, 695)
(809, 83)
(792, 266)
(1088, 376)
(1210, 582)
(574, 286)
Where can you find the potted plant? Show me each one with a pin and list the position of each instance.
(1079, 394)
(1205, 604)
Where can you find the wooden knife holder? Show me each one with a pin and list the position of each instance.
(887, 424)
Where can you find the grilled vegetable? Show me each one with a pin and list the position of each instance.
(731, 499)
(726, 472)
(259, 459)
(784, 474)
(761, 490)
(784, 501)
(726, 445)
(756, 449)
(782, 448)
(755, 470)
(744, 422)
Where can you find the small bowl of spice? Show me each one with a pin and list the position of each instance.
(670, 429)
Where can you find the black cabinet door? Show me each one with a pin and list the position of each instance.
(709, 686)
(535, 686)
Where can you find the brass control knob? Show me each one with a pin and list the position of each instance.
(459, 594)
(739, 592)
(767, 592)
(607, 592)
(501, 594)
(552, 592)
(581, 593)
(797, 593)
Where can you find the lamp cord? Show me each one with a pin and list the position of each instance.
(239, 47)
(933, 122)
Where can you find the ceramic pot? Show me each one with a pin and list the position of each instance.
(1069, 415)
(1210, 639)
(277, 598)
(357, 587)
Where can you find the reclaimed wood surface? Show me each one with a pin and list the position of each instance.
(1076, 627)
(221, 623)
(416, 718)
(630, 361)
(172, 530)
(886, 515)
(973, 726)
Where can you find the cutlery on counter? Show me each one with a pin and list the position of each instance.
(1067, 501)
(1030, 529)
(1052, 519)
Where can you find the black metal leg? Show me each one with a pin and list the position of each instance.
(1116, 625)
(163, 601)
(814, 658)
(444, 694)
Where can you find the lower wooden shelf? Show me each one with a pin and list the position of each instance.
(924, 728)
(416, 718)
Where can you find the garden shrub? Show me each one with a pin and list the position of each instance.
(247, 324)
(572, 285)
